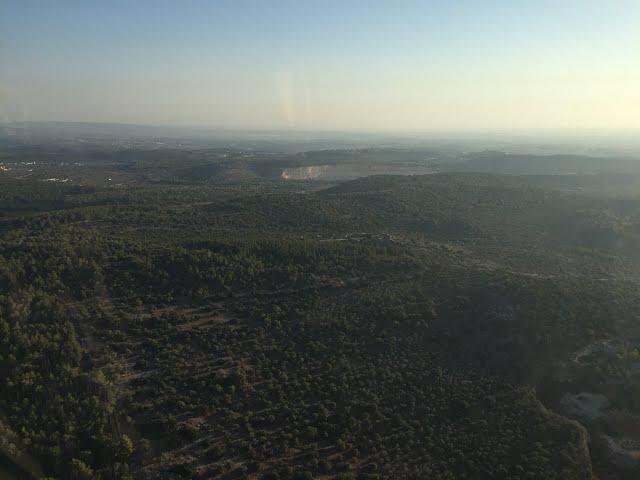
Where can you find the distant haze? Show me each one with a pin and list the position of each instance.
(379, 65)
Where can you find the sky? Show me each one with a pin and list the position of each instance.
(327, 64)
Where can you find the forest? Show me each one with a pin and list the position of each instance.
(448, 326)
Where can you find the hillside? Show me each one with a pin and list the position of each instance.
(519, 164)
(388, 327)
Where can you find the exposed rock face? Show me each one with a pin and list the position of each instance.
(303, 173)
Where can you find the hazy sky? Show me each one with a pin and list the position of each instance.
(328, 64)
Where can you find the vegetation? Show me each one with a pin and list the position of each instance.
(388, 327)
